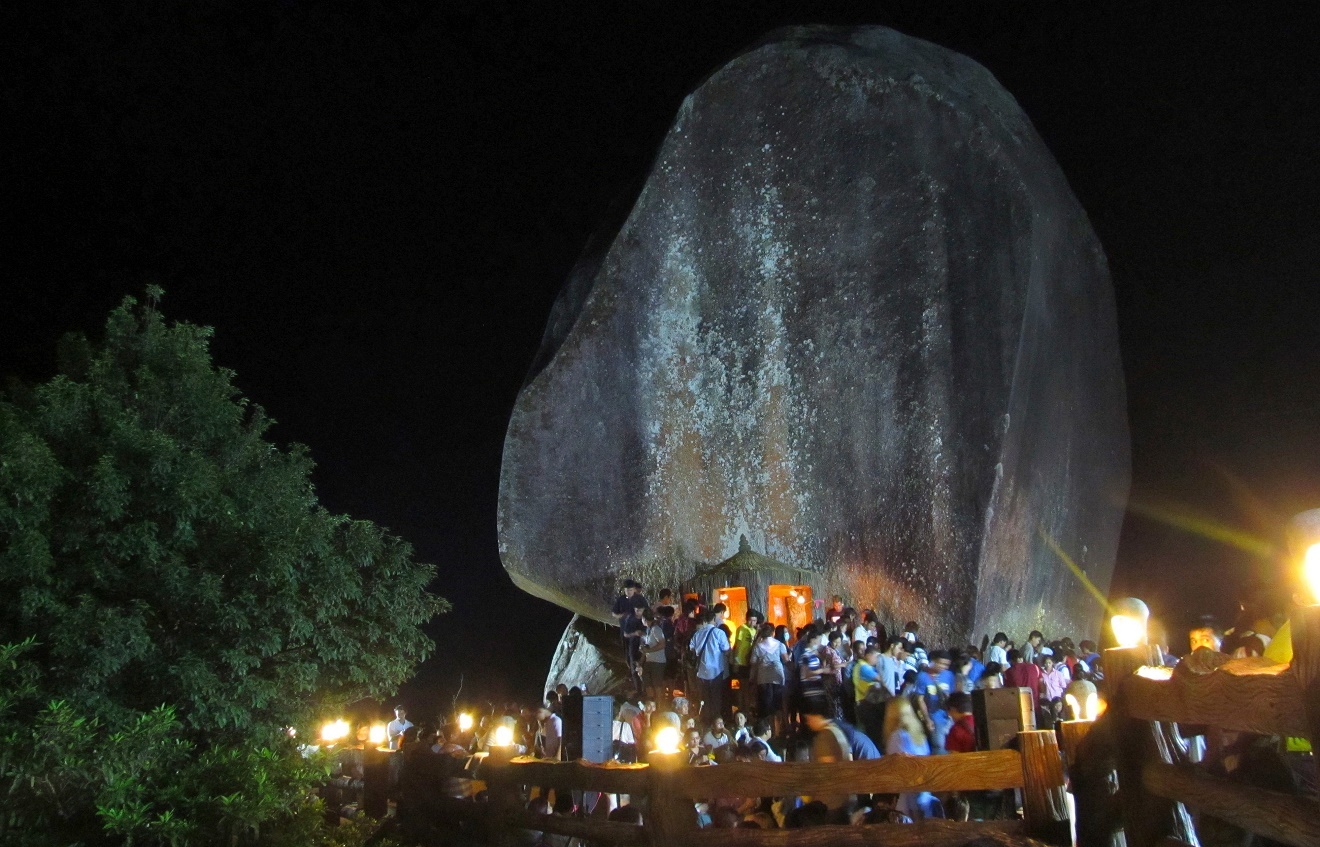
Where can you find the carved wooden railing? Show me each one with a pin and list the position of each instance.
(1155, 787)
(668, 790)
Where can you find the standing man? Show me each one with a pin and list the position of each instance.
(1023, 674)
(1032, 647)
(743, 639)
(550, 733)
(653, 648)
(829, 744)
(395, 729)
(623, 604)
(710, 646)
(890, 665)
(633, 628)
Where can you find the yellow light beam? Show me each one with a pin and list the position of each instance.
(1077, 571)
(1204, 527)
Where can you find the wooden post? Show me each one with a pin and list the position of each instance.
(502, 794)
(670, 816)
(1043, 802)
(1305, 626)
(1071, 734)
(1147, 819)
(376, 782)
(1099, 820)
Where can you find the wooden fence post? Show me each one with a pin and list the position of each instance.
(1147, 819)
(502, 792)
(1305, 628)
(670, 814)
(1044, 805)
(1091, 769)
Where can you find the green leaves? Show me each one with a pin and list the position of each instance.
(156, 548)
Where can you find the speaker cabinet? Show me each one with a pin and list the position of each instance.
(1000, 714)
(598, 728)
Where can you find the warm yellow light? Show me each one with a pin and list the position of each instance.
(802, 599)
(668, 739)
(1128, 632)
(723, 596)
(503, 736)
(1155, 672)
(1128, 622)
(1311, 567)
(377, 735)
(464, 722)
(1087, 711)
(334, 731)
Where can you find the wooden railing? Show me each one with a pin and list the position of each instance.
(1137, 740)
(1156, 785)
(667, 791)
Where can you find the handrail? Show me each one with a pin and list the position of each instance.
(1243, 695)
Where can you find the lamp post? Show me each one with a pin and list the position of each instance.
(1127, 622)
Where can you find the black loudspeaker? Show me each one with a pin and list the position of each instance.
(1000, 714)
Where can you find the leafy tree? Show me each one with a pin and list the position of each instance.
(157, 550)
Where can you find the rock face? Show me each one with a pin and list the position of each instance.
(856, 314)
(590, 655)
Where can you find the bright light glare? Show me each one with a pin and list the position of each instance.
(503, 736)
(377, 735)
(1154, 672)
(334, 731)
(667, 740)
(1128, 631)
(802, 599)
(1311, 566)
(464, 722)
(1089, 712)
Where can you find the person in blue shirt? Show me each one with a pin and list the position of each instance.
(935, 684)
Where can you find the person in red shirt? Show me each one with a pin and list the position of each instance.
(962, 735)
(1023, 674)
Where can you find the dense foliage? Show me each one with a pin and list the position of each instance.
(172, 595)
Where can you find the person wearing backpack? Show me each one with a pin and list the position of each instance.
(711, 648)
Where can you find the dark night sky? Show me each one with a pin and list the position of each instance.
(376, 210)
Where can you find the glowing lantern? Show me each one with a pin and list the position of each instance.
(377, 735)
(1128, 622)
(503, 734)
(669, 732)
(334, 731)
(668, 740)
(1311, 568)
(464, 722)
(1083, 700)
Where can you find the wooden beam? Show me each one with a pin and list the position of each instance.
(933, 833)
(1283, 817)
(590, 829)
(1244, 695)
(890, 775)
(610, 779)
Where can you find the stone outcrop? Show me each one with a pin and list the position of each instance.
(856, 314)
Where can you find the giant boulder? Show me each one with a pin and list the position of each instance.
(856, 314)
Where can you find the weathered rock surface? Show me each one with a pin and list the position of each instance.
(590, 654)
(856, 314)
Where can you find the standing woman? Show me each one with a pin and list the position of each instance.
(769, 659)
(905, 735)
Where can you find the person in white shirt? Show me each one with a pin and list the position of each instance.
(551, 732)
(998, 651)
(395, 729)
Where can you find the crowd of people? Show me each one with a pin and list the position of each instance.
(844, 687)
